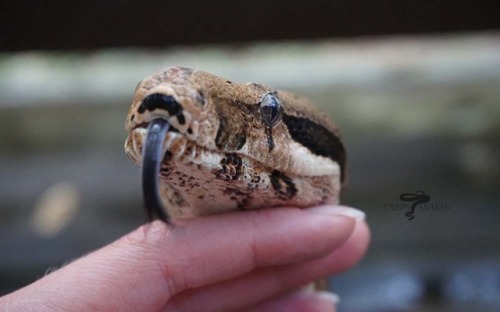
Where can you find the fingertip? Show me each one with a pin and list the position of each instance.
(354, 249)
(302, 234)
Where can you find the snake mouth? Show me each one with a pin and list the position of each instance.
(164, 149)
(164, 144)
(145, 125)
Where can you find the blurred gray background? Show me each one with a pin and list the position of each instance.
(418, 112)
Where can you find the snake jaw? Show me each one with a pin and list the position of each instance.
(158, 146)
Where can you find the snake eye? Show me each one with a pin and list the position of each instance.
(271, 109)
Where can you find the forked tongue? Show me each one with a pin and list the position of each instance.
(152, 156)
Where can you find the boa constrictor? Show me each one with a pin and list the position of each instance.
(209, 145)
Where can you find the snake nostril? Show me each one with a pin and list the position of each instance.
(181, 118)
(145, 125)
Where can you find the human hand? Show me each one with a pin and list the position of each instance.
(243, 261)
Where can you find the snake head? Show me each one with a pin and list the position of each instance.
(168, 95)
(232, 145)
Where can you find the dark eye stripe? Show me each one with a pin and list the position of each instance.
(317, 139)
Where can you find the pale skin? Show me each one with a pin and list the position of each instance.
(240, 261)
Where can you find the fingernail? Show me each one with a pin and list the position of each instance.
(328, 296)
(339, 210)
(352, 213)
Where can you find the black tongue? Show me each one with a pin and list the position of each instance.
(152, 157)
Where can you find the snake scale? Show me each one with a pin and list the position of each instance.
(210, 145)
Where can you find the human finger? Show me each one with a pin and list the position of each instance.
(268, 282)
(145, 268)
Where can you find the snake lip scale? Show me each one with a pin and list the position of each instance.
(230, 146)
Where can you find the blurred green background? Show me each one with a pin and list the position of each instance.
(414, 87)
